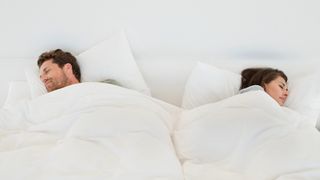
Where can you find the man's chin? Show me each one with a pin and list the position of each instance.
(50, 89)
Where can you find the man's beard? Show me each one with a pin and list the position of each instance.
(61, 83)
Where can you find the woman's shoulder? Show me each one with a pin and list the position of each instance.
(251, 88)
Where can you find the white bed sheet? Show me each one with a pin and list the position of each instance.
(247, 136)
(89, 131)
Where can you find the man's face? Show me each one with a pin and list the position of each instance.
(52, 76)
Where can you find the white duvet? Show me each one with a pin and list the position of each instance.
(247, 137)
(89, 131)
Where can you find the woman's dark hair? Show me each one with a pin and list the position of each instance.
(260, 76)
(61, 58)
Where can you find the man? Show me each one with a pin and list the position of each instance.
(58, 69)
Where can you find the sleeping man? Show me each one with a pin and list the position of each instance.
(58, 69)
(50, 137)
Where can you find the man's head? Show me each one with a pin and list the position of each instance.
(58, 69)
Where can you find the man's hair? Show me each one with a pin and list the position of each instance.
(260, 76)
(61, 58)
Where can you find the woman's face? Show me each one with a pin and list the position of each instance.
(277, 89)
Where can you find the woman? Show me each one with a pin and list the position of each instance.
(272, 81)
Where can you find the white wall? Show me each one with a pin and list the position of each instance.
(204, 29)
(247, 28)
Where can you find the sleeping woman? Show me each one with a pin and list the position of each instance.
(272, 81)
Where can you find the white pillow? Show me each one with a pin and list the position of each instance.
(36, 86)
(18, 90)
(209, 84)
(110, 59)
(304, 95)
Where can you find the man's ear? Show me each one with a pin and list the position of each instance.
(67, 67)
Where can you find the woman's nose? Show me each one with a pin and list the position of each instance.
(286, 92)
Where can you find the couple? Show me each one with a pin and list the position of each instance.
(59, 69)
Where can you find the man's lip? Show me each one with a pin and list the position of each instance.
(47, 82)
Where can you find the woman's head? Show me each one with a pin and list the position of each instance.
(273, 81)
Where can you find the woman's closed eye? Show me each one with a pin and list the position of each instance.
(281, 86)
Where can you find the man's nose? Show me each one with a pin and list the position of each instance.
(43, 78)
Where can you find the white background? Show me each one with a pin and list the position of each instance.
(272, 30)
(285, 29)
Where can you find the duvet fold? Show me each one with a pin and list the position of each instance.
(247, 137)
(89, 131)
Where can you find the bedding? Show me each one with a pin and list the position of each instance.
(109, 59)
(208, 84)
(247, 137)
(89, 131)
(18, 90)
(101, 131)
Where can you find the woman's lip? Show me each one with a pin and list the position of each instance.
(283, 98)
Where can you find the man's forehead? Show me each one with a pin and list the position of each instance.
(46, 64)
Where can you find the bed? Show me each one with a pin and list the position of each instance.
(176, 112)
